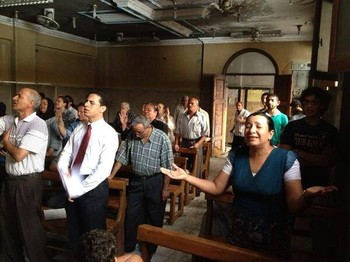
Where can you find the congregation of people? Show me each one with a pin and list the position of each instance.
(277, 167)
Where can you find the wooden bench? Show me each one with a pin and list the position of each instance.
(190, 191)
(338, 214)
(177, 193)
(57, 228)
(206, 159)
(226, 197)
(117, 205)
(197, 246)
(333, 213)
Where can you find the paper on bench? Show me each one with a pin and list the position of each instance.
(59, 213)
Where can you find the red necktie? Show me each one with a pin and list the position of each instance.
(82, 149)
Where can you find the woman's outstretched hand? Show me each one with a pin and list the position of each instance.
(177, 172)
(319, 191)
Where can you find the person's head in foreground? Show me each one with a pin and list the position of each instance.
(99, 245)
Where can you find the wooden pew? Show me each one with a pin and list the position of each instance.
(57, 228)
(226, 197)
(196, 246)
(190, 191)
(338, 214)
(177, 192)
(206, 159)
(117, 205)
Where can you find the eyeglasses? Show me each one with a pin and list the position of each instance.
(310, 102)
(140, 133)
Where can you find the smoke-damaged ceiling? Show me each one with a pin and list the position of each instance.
(127, 21)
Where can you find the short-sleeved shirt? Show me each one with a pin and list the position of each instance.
(192, 128)
(280, 120)
(30, 134)
(147, 158)
(300, 135)
(239, 127)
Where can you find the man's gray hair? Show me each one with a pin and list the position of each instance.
(35, 97)
(141, 120)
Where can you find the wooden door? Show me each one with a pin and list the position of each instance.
(219, 115)
(283, 89)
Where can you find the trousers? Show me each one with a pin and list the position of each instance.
(87, 212)
(145, 206)
(23, 236)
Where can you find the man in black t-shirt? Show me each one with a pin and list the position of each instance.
(313, 139)
(315, 142)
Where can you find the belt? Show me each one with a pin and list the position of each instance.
(22, 177)
(191, 140)
(147, 176)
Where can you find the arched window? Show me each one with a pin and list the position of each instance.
(250, 68)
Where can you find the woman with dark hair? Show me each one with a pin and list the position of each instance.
(46, 108)
(266, 185)
(57, 126)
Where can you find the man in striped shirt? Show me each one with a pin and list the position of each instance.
(25, 137)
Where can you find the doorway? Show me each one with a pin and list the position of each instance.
(249, 73)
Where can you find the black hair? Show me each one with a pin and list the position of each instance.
(270, 122)
(103, 97)
(155, 106)
(2, 109)
(320, 94)
(97, 245)
(64, 98)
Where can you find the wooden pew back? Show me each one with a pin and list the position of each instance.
(194, 245)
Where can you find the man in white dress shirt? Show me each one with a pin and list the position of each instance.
(180, 108)
(87, 184)
(238, 129)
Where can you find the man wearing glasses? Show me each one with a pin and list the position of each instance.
(315, 142)
(313, 139)
(84, 166)
(148, 149)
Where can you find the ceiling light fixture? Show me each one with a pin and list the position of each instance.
(74, 23)
(94, 10)
(7, 3)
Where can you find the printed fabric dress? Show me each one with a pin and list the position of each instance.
(260, 217)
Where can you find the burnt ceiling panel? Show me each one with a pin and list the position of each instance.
(177, 19)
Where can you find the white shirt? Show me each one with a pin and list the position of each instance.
(99, 157)
(192, 128)
(239, 127)
(74, 111)
(180, 109)
(30, 134)
(297, 117)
